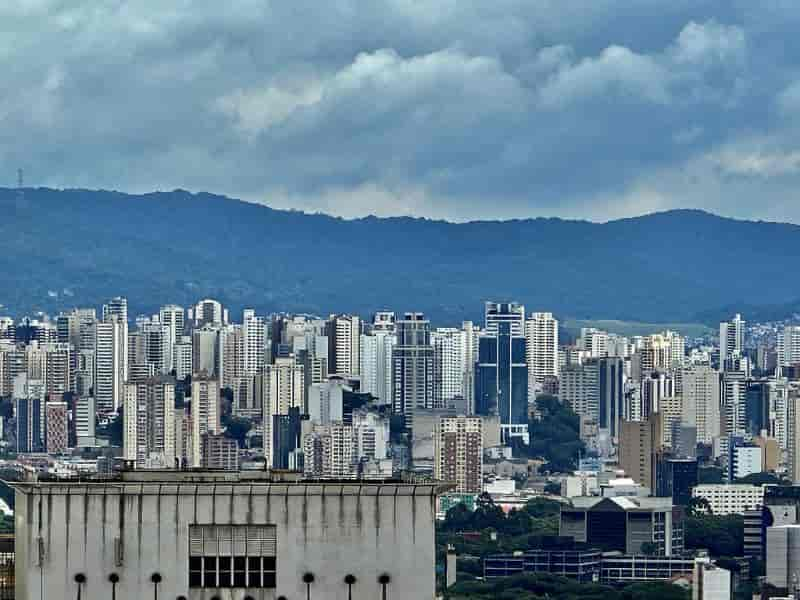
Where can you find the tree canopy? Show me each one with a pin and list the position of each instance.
(536, 587)
(555, 436)
(721, 535)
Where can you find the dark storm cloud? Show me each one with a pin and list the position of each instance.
(447, 108)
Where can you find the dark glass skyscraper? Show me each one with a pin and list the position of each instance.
(612, 394)
(29, 425)
(412, 367)
(287, 434)
(501, 373)
(675, 478)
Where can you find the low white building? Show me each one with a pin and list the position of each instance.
(623, 486)
(227, 535)
(746, 461)
(500, 487)
(710, 582)
(730, 499)
(582, 483)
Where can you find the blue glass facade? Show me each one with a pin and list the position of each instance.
(29, 425)
(501, 380)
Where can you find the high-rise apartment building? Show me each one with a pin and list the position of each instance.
(655, 386)
(30, 431)
(658, 352)
(458, 453)
(449, 353)
(501, 376)
(84, 419)
(731, 340)
(788, 346)
(59, 369)
(172, 316)
(68, 329)
(36, 361)
(376, 364)
(84, 372)
(182, 357)
(111, 362)
(87, 319)
(371, 435)
(541, 337)
(793, 439)
(230, 355)
(12, 363)
(254, 343)
(205, 414)
(329, 451)
(470, 357)
(344, 344)
(593, 341)
(57, 427)
(219, 453)
(639, 445)
(283, 388)
(412, 367)
(701, 401)
(611, 394)
(333, 400)
(149, 423)
(116, 307)
(579, 389)
(208, 312)
(734, 403)
(671, 411)
(204, 351)
(29, 411)
(150, 345)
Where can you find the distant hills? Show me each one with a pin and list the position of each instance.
(77, 247)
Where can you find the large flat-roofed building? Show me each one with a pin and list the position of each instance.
(583, 565)
(783, 556)
(624, 524)
(589, 565)
(233, 536)
(730, 499)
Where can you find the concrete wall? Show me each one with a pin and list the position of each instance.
(329, 530)
(783, 555)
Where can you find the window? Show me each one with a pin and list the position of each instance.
(232, 556)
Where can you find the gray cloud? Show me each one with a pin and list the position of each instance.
(453, 109)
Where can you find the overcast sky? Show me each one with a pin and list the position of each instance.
(456, 109)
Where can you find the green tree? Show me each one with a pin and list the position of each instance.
(555, 436)
(698, 506)
(654, 591)
(649, 548)
(721, 535)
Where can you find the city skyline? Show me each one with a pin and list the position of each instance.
(400, 299)
(623, 439)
